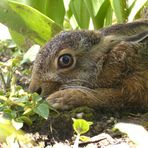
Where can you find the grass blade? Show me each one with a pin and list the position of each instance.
(120, 9)
(80, 12)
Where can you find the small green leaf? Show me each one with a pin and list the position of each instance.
(42, 110)
(23, 99)
(26, 120)
(30, 55)
(36, 97)
(17, 125)
(81, 126)
(84, 138)
(27, 111)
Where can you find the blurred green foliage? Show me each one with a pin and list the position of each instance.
(37, 21)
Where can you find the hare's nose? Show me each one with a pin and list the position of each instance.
(39, 90)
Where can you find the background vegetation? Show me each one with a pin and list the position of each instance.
(36, 21)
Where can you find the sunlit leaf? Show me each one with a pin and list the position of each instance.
(93, 6)
(80, 12)
(119, 7)
(108, 17)
(37, 4)
(81, 126)
(101, 15)
(55, 10)
(26, 119)
(36, 97)
(42, 110)
(136, 7)
(84, 138)
(27, 25)
(30, 55)
(17, 125)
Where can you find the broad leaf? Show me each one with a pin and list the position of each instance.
(55, 10)
(101, 15)
(136, 8)
(93, 6)
(80, 12)
(120, 8)
(30, 55)
(108, 17)
(42, 110)
(27, 25)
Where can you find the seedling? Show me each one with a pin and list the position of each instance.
(80, 126)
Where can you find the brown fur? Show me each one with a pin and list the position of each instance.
(110, 69)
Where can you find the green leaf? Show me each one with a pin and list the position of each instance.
(84, 138)
(108, 17)
(36, 97)
(37, 4)
(101, 15)
(25, 119)
(93, 6)
(51, 8)
(81, 126)
(27, 25)
(28, 111)
(17, 125)
(136, 8)
(120, 8)
(42, 110)
(80, 12)
(55, 10)
(30, 55)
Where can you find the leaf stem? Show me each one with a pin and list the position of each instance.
(3, 81)
(76, 143)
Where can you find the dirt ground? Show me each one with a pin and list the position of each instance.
(57, 131)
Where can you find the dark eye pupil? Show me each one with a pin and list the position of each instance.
(65, 61)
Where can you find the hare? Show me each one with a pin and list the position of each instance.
(106, 68)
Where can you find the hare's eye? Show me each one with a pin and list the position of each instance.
(65, 61)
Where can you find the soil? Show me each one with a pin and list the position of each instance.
(58, 128)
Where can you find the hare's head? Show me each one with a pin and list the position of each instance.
(76, 59)
(68, 60)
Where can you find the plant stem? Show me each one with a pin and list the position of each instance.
(76, 143)
(3, 81)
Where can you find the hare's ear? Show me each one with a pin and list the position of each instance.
(140, 43)
(141, 37)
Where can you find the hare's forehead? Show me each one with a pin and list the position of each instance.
(74, 40)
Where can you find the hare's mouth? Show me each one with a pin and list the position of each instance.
(47, 88)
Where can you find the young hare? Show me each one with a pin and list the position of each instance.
(106, 68)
